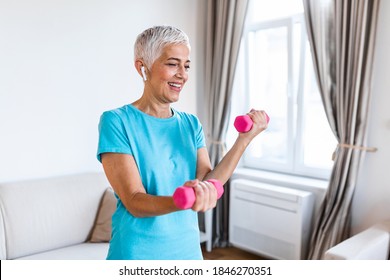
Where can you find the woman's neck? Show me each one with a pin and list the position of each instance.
(154, 109)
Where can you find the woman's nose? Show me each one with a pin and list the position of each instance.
(182, 72)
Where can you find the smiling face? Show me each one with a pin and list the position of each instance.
(168, 74)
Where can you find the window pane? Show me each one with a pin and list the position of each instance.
(268, 78)
(274, 9)
(279, 78)
(318, 140)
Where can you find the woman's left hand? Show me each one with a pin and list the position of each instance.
(260, 123)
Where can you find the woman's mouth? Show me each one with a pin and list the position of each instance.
(176, 86)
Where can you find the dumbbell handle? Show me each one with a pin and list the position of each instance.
(244, 123)
(184, 197)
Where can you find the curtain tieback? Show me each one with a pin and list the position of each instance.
(362, 148)
(348, 146)
(217, 142)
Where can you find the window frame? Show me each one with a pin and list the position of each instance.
(295, 100)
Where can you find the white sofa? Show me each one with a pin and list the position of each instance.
(370, 244)
(62, 218)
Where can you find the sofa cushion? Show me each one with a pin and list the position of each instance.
(83, 251)
(102, 228)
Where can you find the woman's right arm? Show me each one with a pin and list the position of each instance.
(122, 173)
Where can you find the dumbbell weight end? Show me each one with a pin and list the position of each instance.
(184, 197)
(244, 123)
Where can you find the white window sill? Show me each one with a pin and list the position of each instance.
(296, 182)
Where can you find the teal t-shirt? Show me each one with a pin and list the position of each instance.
(165, 151)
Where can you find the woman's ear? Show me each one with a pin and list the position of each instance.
(139, 65)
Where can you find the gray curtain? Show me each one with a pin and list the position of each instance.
(224, 22)
(342, 34)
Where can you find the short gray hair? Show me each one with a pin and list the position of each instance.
(150, 43)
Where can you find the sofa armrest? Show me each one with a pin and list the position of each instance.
(45, 214)
(370, 244)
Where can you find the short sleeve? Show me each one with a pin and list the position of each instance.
(112, 135)
(200, 139)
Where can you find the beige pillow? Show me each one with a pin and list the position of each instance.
(102, 228)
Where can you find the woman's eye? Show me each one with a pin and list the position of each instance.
(186, 67)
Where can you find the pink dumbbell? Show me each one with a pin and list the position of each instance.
(184, 197)
(244, 123)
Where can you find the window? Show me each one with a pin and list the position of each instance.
(275, 73)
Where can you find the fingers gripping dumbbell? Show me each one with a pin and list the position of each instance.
(184, 197)
(244, 123)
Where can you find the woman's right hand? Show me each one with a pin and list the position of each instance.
(205, 195)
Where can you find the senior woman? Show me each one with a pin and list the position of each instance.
(148, 149)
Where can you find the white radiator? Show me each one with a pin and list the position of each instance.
(270, 220)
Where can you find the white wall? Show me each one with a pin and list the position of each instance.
(372, 197)
(62, 63)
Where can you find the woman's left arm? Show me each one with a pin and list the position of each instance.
(225, 168)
